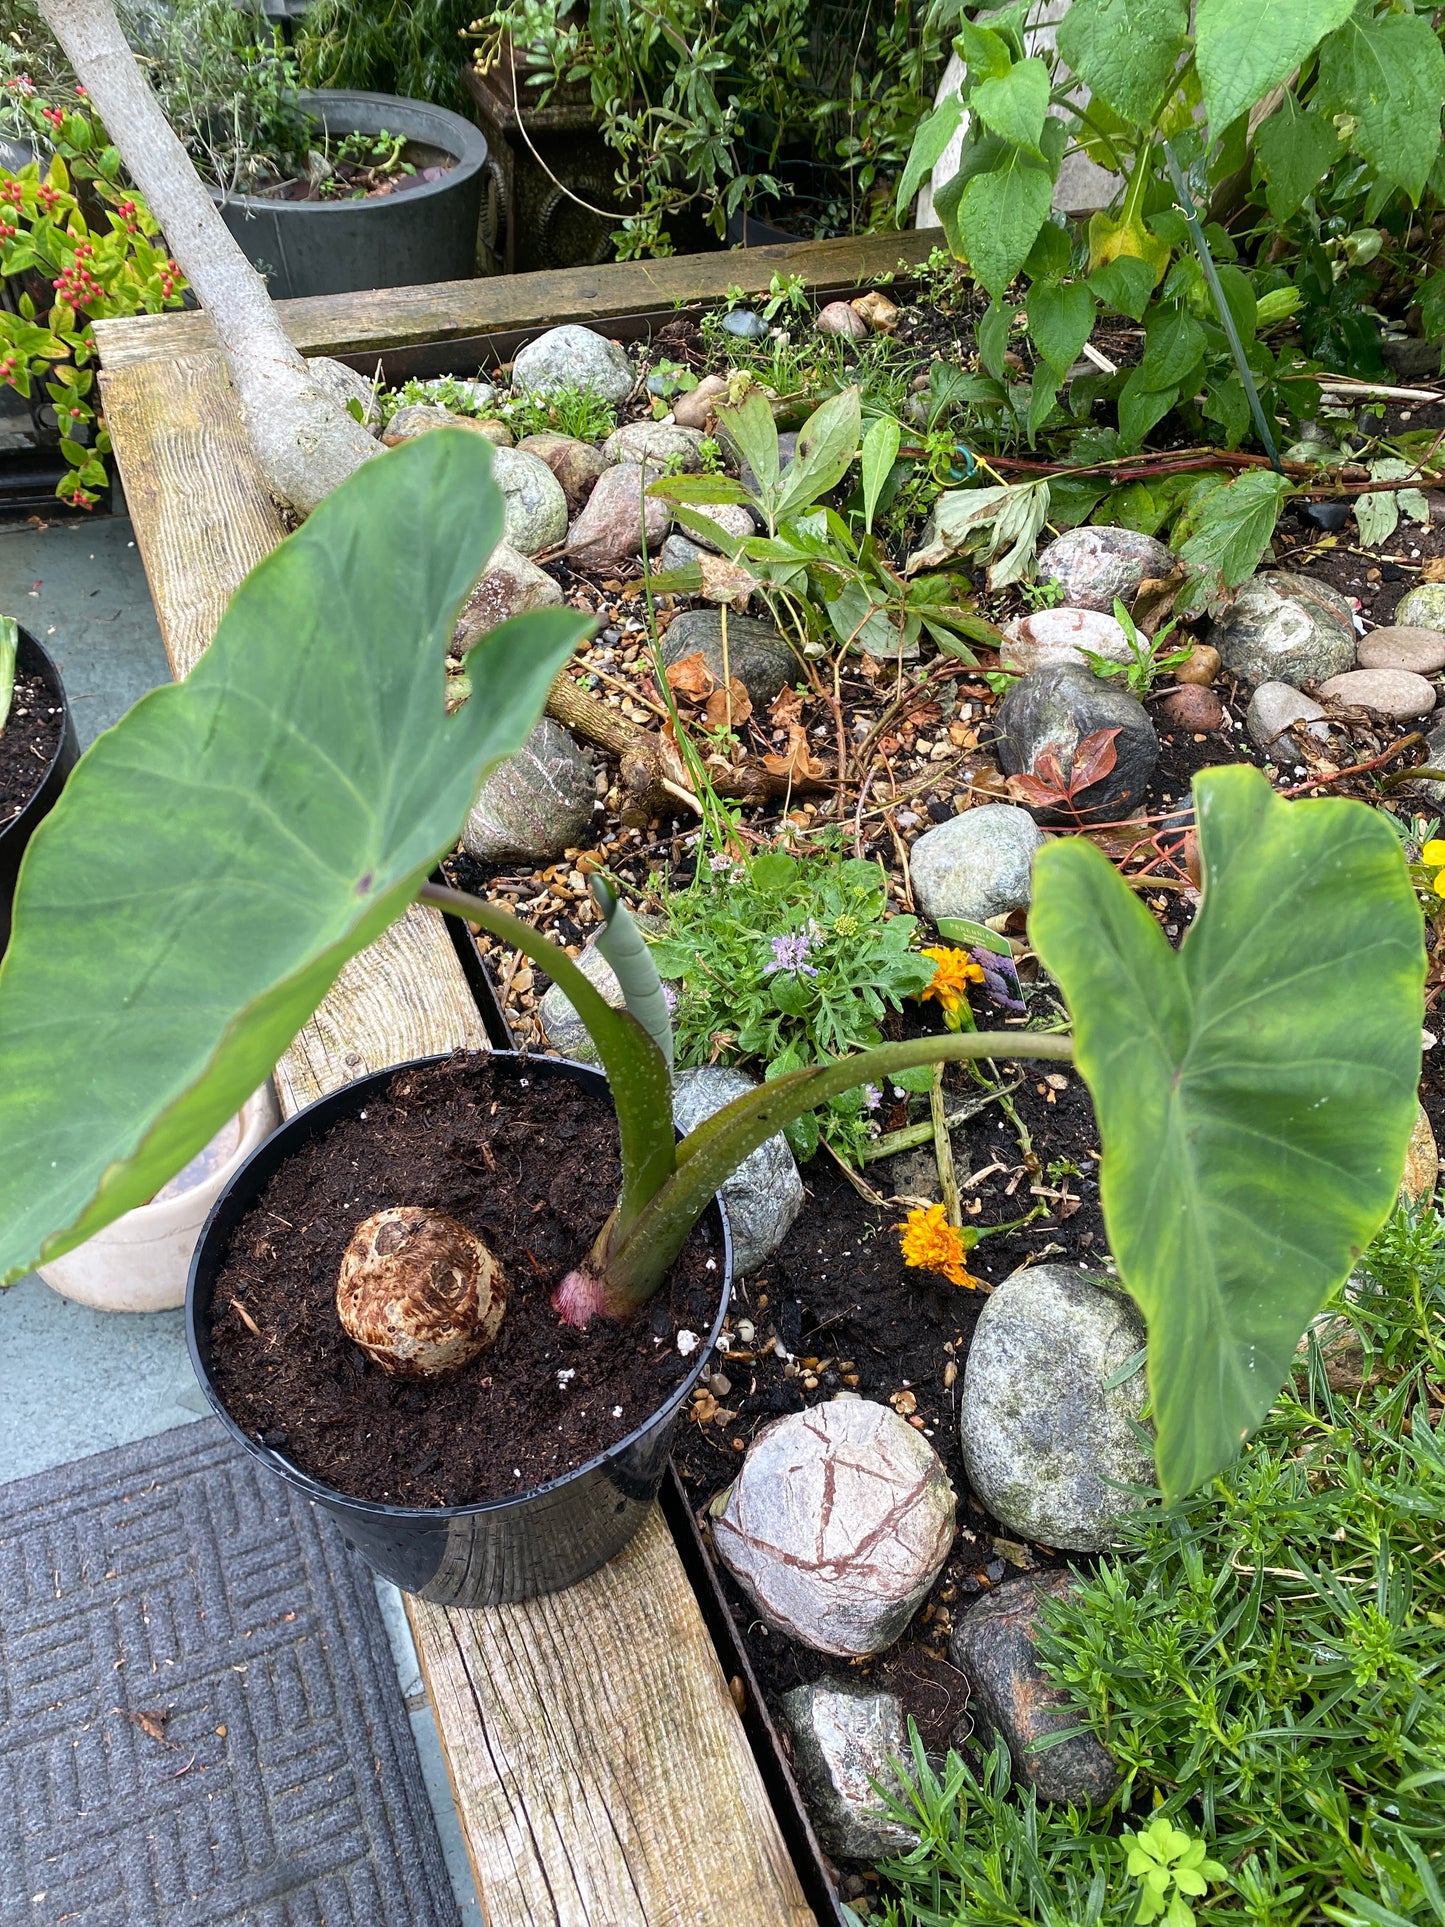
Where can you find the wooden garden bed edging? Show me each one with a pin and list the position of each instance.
(598, 1761)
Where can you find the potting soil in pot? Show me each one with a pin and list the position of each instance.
(532, 1168)
(28, 743)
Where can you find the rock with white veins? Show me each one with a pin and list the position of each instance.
(1096, 566)
(1283, 627)
(837, 1525)
(846, 1741)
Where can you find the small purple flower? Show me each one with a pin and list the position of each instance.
(872, 1097)
(719, 860)
(790, 954)
(669, 997)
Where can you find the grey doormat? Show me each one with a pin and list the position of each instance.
(200, 1721)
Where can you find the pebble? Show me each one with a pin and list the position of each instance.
(692, 409)
(1274, 710)
(839, 319)
(656, 445)
(512, 585)
(1193, 708)
(535, 805)
(735, 520)
(1422, 607)
(845, 1742)
(573, 357)
(1062, 635)
(1393, 693)
(1202, 667)
(1042, 1438)
(765, 1194)
(610, 531)
(1057, 709)
(1010, 1694)
(1421, 651)
(757, 654)
(536, 505)
(977, 865)
(679, 552)
(1097, 566)
(575, 464)
(744, 324)
(837, 1525)
(1283, 627)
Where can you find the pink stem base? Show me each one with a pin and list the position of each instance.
(580, 1297)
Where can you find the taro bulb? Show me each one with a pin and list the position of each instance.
(418, 1292)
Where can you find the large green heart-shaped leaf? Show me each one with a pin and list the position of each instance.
(217, 857)
(1255, 1092)
(1245, 47)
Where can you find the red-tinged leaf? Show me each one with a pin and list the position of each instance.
(1093, 760)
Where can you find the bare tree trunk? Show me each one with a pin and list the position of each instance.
(305, 440)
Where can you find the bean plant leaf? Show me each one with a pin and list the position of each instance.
(1255, 1108)
(999, 215)
(1230, 528)
(218, 856)
(1061, 319)
(1125, 51)
(1388, 75)
(1295, 148)
(1242, 48)
(1014, 104)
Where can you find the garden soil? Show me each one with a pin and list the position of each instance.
(28, 744)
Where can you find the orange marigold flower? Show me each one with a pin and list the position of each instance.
(931, 1243)
(953, 972)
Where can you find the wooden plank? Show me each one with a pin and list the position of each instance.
(601, 1767)
(598, 1763)
(395, 317)
(203, 519)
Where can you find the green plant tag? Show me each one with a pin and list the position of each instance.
(1255, 1092)
(974, 936)
(219, 855)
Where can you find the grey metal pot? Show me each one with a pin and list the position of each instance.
(418, 235)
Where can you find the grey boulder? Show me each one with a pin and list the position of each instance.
(565, 1030)
(1095, 567)
(976, 865)
(1042, 1437)
(1422, 607)
(573, 357)
(846, 1741)
(1427, 786)
(1057, 709)
(575, 464)
(656, 445)
(1283, 627)
(1275, 715)
(757, 653)
(837, 1525)
(537, 804)
(512, 585)
(620, 519)
(536, 505)
(1012, 1697)
(765, 1194)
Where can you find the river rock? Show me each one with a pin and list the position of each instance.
(787, 449)
(513, 585)
(758, 655)
(1422, 1163)
(573, 357)
(976, 865)
(1061, 635)
(1396, 694)
(618, 519)
(1056, 709)
(694, 409)
(837, 1525)
(1095, 567)
(1193, 708)
(1201, 668)
(765, 1194)
(744, 324)
(656, 445)
(1274, 711)
(1283, 627)
(537, 804)
(735, 520)
(679, 552)
(839, 319)
(1422, 607)
(419, 418)
(344, 385)
(1427, 787)
(1421, 651)
(536, 506)
(575, 464)
(1041, 1436)
(845, 1742)
(1010, 1695)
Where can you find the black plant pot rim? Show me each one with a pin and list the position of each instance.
(334, 106)
(45, 668)
(373, 1508)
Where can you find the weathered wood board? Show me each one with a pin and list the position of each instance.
(601, 1769)
(356, 324)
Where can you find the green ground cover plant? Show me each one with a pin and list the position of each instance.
(1266, 1661)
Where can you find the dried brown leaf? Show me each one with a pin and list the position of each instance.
(728, 708)
(796, 763)
(691, 678)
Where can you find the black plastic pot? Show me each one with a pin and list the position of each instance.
(32, 660)
(471, 1555)
(418, 235)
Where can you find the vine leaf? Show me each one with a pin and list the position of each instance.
(1242, 48)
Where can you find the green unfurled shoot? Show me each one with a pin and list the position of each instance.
(9, 644)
